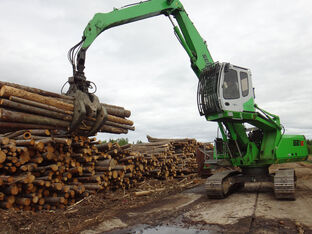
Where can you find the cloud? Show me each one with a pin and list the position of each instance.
(142, 67)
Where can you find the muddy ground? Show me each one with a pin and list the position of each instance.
(181, 207)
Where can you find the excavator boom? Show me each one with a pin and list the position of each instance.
(185, 31)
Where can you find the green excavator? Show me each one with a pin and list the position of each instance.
(252, 138)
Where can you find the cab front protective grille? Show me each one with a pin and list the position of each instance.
(207, 91)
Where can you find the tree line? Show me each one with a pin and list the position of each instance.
(121, 141)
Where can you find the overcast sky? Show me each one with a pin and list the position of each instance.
(142, 67)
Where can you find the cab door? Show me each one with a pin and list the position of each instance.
(246, 90)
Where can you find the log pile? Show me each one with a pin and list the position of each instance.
(23, 107)
(44, 167)
(40, 169)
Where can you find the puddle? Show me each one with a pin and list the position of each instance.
(160, 229)
(171, 230)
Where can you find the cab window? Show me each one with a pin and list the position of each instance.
(244, 83)
(230, 85)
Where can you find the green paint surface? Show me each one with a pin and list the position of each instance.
(249, 105)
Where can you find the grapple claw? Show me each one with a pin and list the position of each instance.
(87, 107)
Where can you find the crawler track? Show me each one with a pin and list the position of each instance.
(220, 184)
(285, 184)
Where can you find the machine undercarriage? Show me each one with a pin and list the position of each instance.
(223, 183)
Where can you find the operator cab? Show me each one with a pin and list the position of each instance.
(225, 87)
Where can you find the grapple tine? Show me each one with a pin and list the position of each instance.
(100, 118)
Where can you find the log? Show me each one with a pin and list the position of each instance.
(5, 205)
(10, 199)
(13, 116)
(25, 142)
(153, 139)
(90, 179)
(17, 126)
(40, 105)
(148, 192)
(117, 111)
(7, 179)
(92, 186)
(2, 156)
(15, 134)
(22, 201)
(54, 200)
(34, 110)
(4, 140)
(40, 132)
(7, 91)
(103, 168)
(57, 186)
(34, 90)
(104, 146)
(53, 167)
(114, 130)
(12, 189)
(117, 125)
(119, 120)
(27, 135)
(107, 163)
(45, 140)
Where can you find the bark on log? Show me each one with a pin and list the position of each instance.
(119, 120)
(120, 112)
(113, 130)
(34, 110)
(34, 90)
(13, 116)
(104, 146)
(2, 156)
(7, 91)
(123, 126)
(39, 105)
(17, 126)
(15, 134)
(107, 163)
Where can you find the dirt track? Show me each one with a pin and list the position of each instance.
(252, 210)
(176, 210)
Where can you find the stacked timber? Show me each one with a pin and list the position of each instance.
(42, 170)
(23, 107)
(183, 156)
(46, 169)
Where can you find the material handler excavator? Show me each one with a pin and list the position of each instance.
(225, 95)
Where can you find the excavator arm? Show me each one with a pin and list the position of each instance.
(185, 31)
